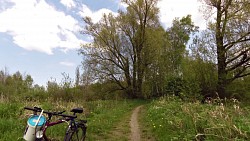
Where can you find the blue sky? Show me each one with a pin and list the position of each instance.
(41, 37)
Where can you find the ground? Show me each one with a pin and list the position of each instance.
(135, 130)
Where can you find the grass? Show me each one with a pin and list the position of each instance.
(107, 115)
(171, 119)
(145, 126)
(167, 118)
(102, 116)
(121, 131)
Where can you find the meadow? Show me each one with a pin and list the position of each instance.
(169, 118)
(102, 116)
(166, 118)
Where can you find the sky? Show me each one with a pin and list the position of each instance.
(41, 37)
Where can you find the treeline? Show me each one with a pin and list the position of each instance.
(197, 81)
(134, 51)
(133, 56)
(21, 87)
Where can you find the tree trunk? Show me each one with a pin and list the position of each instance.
(221, 53)
(135, 68)
(222, 74)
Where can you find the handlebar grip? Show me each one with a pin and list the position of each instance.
(36, 109)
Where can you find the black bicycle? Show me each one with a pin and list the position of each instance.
(38, 124)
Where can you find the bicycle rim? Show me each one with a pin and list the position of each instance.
(78, 134)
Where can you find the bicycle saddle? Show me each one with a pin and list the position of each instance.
(77, 110)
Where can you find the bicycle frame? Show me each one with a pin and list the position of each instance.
(41, 132)
(49, 124)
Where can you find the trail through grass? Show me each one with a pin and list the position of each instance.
(103, 118)
(107, 119)
(135, 131)
(167, 118)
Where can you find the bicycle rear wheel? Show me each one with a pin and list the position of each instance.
(77, 134)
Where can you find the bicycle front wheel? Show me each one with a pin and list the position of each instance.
(77, 134)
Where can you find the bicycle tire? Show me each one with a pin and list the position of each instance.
(78, 134)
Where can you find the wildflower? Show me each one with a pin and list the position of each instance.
(222, 107)
(170, 122)
(236, 107)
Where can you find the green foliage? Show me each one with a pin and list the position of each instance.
(178, 36)
(175, 85)
(104, 91)
(240, 89)
(200, 77)
(10, 126)
(169, 118)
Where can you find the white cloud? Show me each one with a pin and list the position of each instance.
(67, 64)
(122, 5)
(169, 9)
(35, 25)
(96, 15)
(68, 3)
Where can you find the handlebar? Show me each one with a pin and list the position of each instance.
(36, 109)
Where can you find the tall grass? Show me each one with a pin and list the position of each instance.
(171, 119)
(101, 116)
(105, 116)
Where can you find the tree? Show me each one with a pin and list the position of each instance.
(201, 65)
(77, 77)
(232, 40)
(28, 81)
(3, 75)
(122, 45)
(175, 53)
(52, 87)
(178, 36)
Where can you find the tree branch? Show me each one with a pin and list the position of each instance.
(240, 40)
(238, 76)
(238, 65)
(236, 57)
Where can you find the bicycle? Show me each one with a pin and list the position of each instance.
(37, 125)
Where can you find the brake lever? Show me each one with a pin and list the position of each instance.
(64, 120)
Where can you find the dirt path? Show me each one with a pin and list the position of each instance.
(135, 131)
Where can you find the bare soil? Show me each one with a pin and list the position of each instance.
(135, 130)
(128, 128)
